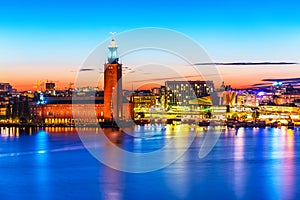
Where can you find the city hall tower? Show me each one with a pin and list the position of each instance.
(112, 84)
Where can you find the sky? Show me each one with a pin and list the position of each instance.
(49, 40)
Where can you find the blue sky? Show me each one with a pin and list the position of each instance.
(60, 34)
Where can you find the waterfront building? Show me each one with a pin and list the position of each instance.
(179, 93)
(59, 110)
(64, 110)
(91, 105)
(113, 97)
(19, 108)
(4, 105)
(280, 109)
(282, 114)
(3, 113)
(142, 103)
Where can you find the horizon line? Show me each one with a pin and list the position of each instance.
(248, 63)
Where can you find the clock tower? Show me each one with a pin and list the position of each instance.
(113, 85)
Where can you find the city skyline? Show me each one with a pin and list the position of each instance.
(40, 39)
(149, 99)
(241, 81)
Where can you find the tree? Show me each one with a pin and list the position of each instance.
(234, 116)
(244, 116)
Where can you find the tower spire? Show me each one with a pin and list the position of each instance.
(113, 57)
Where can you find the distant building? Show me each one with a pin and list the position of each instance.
(4, 105)
(279, 88)
(50, 88)
(179, 93)
(5, 87)
(247, 99)
(289, 89)
(287, 99)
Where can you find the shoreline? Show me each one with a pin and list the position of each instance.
(115, 125)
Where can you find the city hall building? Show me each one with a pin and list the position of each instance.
(108, 107)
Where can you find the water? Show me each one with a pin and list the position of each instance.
(53, 164)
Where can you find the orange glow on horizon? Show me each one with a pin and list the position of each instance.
(29, 85)
(23, 79)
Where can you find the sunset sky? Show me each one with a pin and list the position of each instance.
(49, 40)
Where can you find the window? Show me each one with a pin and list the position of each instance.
(49, 113)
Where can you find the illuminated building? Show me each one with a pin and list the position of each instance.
(247, 99)
(282, 114)
(280, 109)
(277, 88)
(286, 99)
(3, 112)
(229, 98)
(5, 87)
(20, 108)
(93, 105)
(50, 88)
(142, 103)
(4, 106)
(179, 93)
(113, 98)
(59, 110)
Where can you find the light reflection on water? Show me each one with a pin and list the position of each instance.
(245, 164)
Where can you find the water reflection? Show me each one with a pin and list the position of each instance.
(111, 184)
(289, 177)
(180, 172)
(41, 165)
(53, 163)
(282, 170)
(9, 132)
(239, 175)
